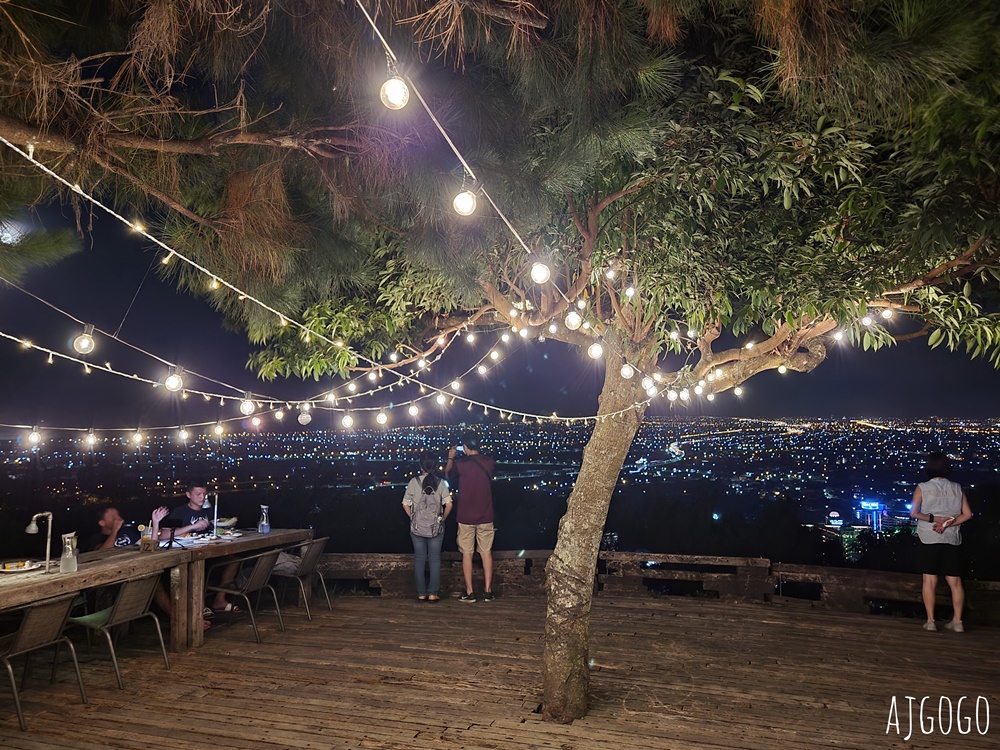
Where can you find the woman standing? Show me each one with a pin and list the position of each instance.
(940, 507)
(427, 501)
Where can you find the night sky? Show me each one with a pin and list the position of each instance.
(98, 284)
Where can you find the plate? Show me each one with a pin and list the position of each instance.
(225, 523)
(24, 566)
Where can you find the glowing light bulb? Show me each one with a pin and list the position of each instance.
(173, 382)
(710, 377)
(698, 389)
(630, 292)
(218, 429)
(352, 387)
(394, 93)
(441, 399)
(305, 406)
(627, 371)
(609, 274)
(304, 418)
(183, 434)
(540, 272)
(738, 391)
(505, 338)
(595, 351)
(573, 320)
(394, 357)
(674, 335)
(255, 421)
(413, 410)
(692, 333)
(247, 406)
(455, 385)
(214, 284)
(553, 327)
(91, 438)
(651, 391)
(838, 336)
(347, 421)
(84, 343)
(421, 363)
(372, 376)
(718, 372)
(782, 369)
(671, 395)
(470, 337)
(524, 333)
(34, 437)
(381, 417)
(279, 415)
(137, 437)
(887, 313)
(866, 321)
(481, 369)
(749, 345)
(685, 394)
(710, 397)
(465, 203)
(494, 355)
(647, 382)
(137, 227)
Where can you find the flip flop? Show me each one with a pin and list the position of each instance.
(422, 598)
(230, 608)
(433, 598)
(207, 613)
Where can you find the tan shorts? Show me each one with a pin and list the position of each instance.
(473, 536)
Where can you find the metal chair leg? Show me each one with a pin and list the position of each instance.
(27, 670)
(76, 666)
(325, 592)
(114, 657)
(55, 663)
(159, 632)
(17, 698)
(277, 607)
(305, 599)
(253, 620)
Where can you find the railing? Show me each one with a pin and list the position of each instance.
(746, 579)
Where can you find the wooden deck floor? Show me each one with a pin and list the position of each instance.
(385, 673)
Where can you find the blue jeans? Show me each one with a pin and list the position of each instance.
(427, 550)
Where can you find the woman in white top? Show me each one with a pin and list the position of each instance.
(940, 507)
(427, 501)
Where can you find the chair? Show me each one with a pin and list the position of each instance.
(309, 553)
(132, 603)
(253, 583)
(41, 626)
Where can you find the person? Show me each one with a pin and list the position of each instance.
(193, 517)
(427, 501)
(940, 507)
(474, 474)
(113, 531)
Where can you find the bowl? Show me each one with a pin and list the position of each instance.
(226, 523)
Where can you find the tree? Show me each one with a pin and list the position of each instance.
(727, 186)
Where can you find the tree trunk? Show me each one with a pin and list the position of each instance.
(570, 570)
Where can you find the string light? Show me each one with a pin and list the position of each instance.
(394, 93)
(540, 272)
(381, 417)
(441, 399)
(671, 395)
(34, 437)
(651, 391)
(710, 397)
(465, 203)
(782, 369)
(505, 338)
(137, 437)
(455, 385)
(627, 371)
(738, 391)
(247, 406)
(867, 321)
(495, 355)
(573, 320)
(347, 421)
(255, 422)
(524, 333)
(553, 327)
(84, 343)
(413, 411)
(647, 382)
(183, 434)
(838, 336)
(304, 418)
(595, 351)
(749, 345)
(173, 382)
(887, 313)
(279, 415)
(481, 369)
(470, 337)
(630, 292)
(219, 430)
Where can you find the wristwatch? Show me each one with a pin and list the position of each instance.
(930, 518)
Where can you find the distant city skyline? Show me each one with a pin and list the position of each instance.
(99, 283)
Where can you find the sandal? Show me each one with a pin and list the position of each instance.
(230, 608)
(207, 613)
(433, 598)
(422, 598)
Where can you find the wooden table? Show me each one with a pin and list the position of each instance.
(105, 568)
(251, 541)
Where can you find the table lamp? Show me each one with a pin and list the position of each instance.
(206, 504)
(33, 529)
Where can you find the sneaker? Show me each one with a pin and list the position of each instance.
(470, 598)
(955, 627)
(488, 596)
(930, 625)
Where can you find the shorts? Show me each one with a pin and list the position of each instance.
(939, 559)
(475, 536)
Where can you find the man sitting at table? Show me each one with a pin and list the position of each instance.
(114, 532)
(193, 517)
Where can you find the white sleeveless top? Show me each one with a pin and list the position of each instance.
(943, 498)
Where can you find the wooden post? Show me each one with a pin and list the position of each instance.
(196, 603)
(179, 608)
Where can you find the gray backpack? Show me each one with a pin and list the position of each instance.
(426, 520)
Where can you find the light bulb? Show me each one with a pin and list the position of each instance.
(279, 415)
(749, 345)
(573, 320)
(481, 369)
(540, 273)
(247, 406)
(671, 395)
(710, 377)
(91, 438)
(173, 382)
(887, 313)
(698, 389)
(718, 372)
(372, 376)
(455, 385)
(627, 372)
(394, 93)
(255, 421)
(305, 406)
(84, 343)
(305, 418)
(137, 437)
(214, 283)
(838, 336)
(465, 203)
(381, 417)
(352, 387)
(710, 397)
(34, 437)
(630, 292)
(394, 357)
(183, 434)
(524, 333)
(647, 382)
(505, 338)
(609, 274)
(494, 355)
(674, 335)
(218, 429)
(347, 421)
(413, 410)
(685, 394)
(738, 391)
(692, 333)
(470, 337)
(782, 369)
(421, 363)
(553, 327)
(595, 351)
(441, 399)
(651, 391)
(866, 321)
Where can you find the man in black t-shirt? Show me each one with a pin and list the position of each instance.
(115, 532)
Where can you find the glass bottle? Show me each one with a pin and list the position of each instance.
(264, 525)
(67, 562)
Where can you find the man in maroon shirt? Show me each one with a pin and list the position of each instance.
(474, 473)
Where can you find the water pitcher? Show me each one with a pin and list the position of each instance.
(264, 525)
(67, 562)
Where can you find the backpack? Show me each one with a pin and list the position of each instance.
(425, 520)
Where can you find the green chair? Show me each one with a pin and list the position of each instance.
(42, 625)
(132, 603)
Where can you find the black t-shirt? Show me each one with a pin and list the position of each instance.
(128, 535)
(186, 517)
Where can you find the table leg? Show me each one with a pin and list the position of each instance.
(196, 603)
(179, 608)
